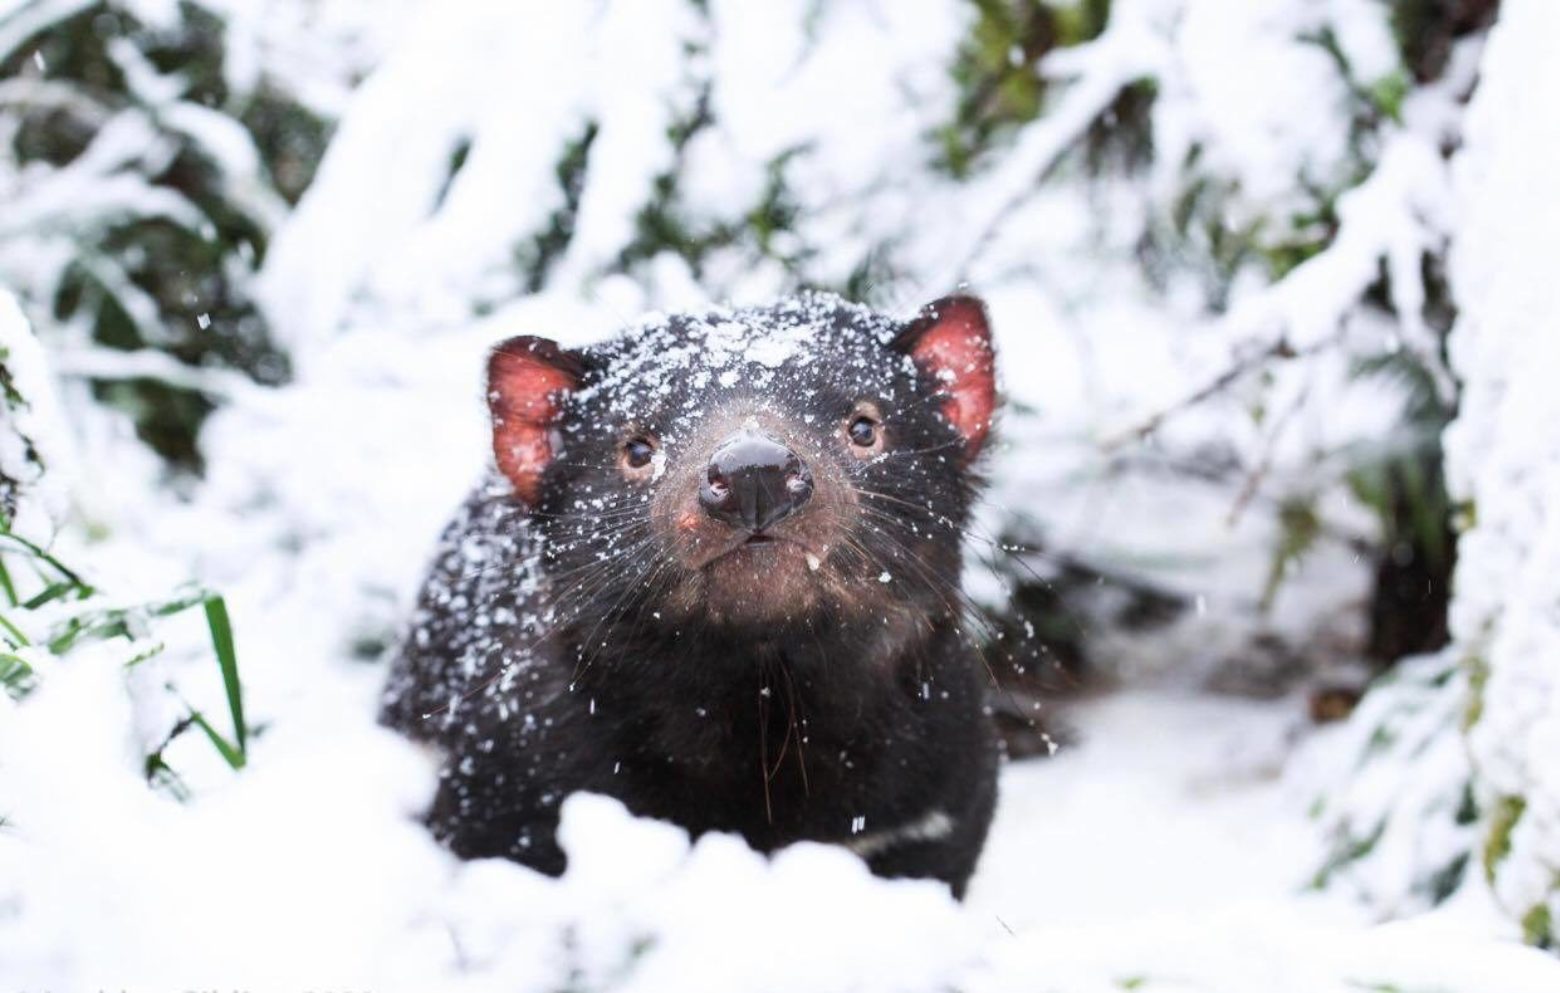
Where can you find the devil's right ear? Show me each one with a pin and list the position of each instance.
(527, 381)
(951, 342)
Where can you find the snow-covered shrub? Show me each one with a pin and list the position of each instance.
(27, 492)
(49, 611)
(1401, 824)
(148, 150)
(1504, 458)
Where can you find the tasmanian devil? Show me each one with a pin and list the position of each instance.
(716, 576)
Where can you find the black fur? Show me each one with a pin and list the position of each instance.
(572, 646)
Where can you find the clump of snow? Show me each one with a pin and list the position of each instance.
(379, 234)
(318, 52)
(35, 449)
(1504, 460)
(1400, 828)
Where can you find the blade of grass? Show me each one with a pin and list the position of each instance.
(15, 675)
(149, 653)
(234, 756)
(6, 586)
(99, 624)
(52, 592)
(65, 571)
(227, 658)
(161, 773)
(17, 638)
(182, 602)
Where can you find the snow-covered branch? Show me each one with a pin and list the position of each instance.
(1098, 72)
(1394, 218)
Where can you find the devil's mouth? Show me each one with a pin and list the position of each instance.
(762, 544)
(760, 578)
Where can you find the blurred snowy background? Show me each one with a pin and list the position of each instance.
(1268, 549)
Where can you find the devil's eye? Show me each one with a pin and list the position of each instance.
(863, 431)
(637, 452)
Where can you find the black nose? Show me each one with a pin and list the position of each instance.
(753, 482)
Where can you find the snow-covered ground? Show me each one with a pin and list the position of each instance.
(1171, 847)
(1168, 851)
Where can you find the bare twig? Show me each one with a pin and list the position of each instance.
(1277, 349)
(111, 364)
(1258, 474)
(54, 95)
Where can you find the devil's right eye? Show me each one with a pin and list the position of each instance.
(862, 429)
(637, 452)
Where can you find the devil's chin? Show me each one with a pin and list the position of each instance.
(757, 584)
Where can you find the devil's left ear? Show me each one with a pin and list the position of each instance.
(950, 340)
(528, 379)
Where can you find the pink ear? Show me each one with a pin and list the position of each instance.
(527, 380)
(951, 341)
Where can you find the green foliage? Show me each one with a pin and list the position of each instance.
(1426, 30)
(1374, 102)
(1346, 850)
(1299, 527)
(8, 392)
(1478, 677)
(227, 658)
(1409, 713)
(64, 613)
(1441, 884)
(1304, 237)
(1503, 820)
(1538, 927)
(536, 258)
(663, 224)
(666, 223)
(997, 71)
(1198, 236)
(1403, 483)
(1201, 232)
(11, 403)
(291, 138)
(158, 251)
(1122, 140)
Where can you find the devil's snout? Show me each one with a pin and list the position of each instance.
(753, 482)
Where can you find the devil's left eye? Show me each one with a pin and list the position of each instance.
(637, 452)
(863, 431)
